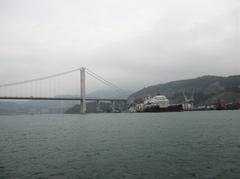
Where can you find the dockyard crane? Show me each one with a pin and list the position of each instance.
(188, 102)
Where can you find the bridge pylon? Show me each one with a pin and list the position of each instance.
(83, 91)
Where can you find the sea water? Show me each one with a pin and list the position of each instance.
(124, 145)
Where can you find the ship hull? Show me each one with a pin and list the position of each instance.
(171, 108)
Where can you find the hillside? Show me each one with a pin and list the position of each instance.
(206, 90)
(91, 108)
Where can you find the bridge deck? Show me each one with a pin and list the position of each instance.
(61, 99)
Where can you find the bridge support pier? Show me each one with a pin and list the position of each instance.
(98, 106)
(113, 105)
(83, 91)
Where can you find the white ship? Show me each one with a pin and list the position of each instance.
(157, 103)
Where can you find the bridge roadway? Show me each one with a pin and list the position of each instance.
(61, 99)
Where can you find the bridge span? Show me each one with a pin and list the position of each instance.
(26, 84)
(62, 99)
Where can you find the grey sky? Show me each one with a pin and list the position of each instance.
(134, 43)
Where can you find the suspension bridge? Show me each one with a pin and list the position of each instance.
(69, 86)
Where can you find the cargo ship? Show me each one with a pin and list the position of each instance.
(158, 103)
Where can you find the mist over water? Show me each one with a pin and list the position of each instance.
(160, 145)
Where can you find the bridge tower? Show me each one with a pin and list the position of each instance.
(83, 91)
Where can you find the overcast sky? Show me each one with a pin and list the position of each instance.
(133, 43)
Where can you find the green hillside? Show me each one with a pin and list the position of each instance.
(206, 89)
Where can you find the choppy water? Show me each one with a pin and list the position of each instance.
(104, 146)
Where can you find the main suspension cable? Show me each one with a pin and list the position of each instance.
(39, 79)
(104, 80)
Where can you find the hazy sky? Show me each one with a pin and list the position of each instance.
(133, 43)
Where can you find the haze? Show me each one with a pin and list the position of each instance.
(133, 43)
